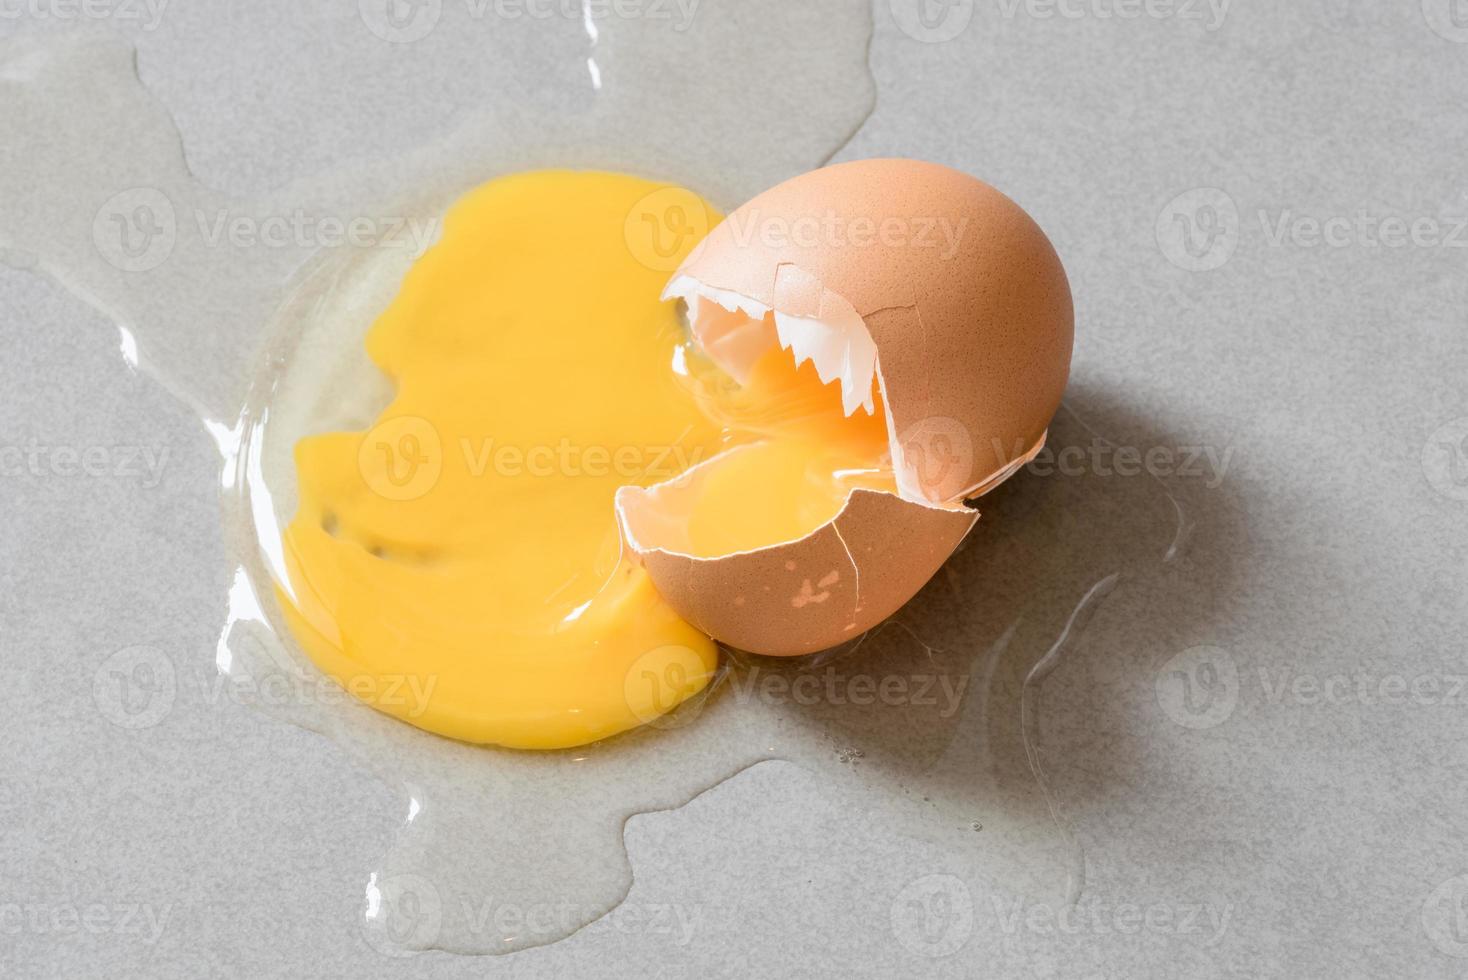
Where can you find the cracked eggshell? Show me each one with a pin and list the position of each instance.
(811, 594)
(963, 295)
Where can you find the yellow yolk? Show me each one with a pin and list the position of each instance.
(459, 565)
(797, 476)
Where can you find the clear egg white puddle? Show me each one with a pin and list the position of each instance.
(941, 744)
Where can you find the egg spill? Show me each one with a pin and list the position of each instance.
(937, 742)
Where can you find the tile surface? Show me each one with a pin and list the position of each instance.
(1264, 211)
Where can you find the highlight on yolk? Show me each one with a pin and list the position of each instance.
(459, 565)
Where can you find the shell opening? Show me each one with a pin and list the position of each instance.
(734, 330)
(821, 326)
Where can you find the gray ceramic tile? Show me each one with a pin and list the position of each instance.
(1262, 207)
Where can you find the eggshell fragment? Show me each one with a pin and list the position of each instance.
(802, 596)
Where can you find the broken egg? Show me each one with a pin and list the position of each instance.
(933, 303)
(570, 495)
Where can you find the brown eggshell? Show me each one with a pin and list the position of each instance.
(806, 595)
(973, 331)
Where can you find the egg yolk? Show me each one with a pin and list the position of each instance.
(802, 458)
(459, 565)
